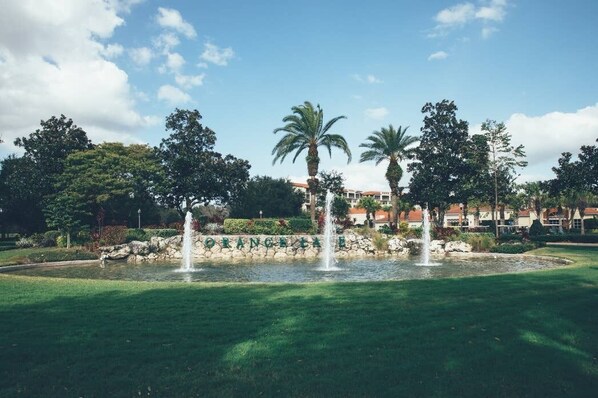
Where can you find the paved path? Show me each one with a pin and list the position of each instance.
(571, 244)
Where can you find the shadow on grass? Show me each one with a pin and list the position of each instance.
(514, 335)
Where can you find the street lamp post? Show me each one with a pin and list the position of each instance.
(261, 214)
(139, 219)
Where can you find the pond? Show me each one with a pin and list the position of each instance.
(350, 270)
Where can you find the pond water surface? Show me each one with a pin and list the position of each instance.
(351, 270)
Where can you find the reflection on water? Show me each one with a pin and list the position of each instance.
(363, 269)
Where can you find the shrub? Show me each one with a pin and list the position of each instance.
(302, 225)
(588, 238)
(136, 234)
(536, 229)
(50, 238)
(380, 241)
(445, 233)
(213, 228)
(403, 228)
(385, 229)
(162, 232)
(504, 238)
(24, 243)
(480, 242)
(513, 248)
(590, 223)
(415, 233)
(113, 235)
(234, 226)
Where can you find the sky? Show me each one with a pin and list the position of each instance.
(119, 67)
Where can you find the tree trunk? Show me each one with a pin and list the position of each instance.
(582, 213)
(395, 216)
(313, 162)
(465, 213)
(440, 220)
(502, 214)
(68, 240)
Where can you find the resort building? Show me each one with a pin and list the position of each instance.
(454, 216)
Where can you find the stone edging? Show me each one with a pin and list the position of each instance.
(8, 268)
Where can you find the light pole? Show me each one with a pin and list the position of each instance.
(139, 219)
(261, 214)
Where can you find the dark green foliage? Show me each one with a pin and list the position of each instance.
(61, 255)
(195, 173)
(514, 248)
(136, 234)
(274, 197)
(509, 238)
(440, 168)
(302, 225)
(574, 238)
(234, 226)
(385, 229)
(591, 223)
(537, 228)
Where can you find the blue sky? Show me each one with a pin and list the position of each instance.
(118, 68)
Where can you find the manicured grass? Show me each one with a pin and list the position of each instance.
(43, 254)
(532, 334)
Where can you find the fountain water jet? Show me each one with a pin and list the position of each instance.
(328, 259)
(425, 254)
(187, 263)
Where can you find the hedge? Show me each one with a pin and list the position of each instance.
(513, 248)
(268, 226)
(574, 238)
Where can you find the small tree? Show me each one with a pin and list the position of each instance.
(370, 205)
(504, 157)
(65, 212)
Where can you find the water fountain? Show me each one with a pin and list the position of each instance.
(187, 263)
(425, 254)
(328, 258)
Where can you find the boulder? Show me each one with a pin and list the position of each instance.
(117, 252)
(457, 246)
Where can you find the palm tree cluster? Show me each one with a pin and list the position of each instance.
(305, 130)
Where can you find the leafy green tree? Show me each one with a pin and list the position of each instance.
(476, 185)
(391, 145)
(20, 198)
(370, 205)
(440, 167)
(332, 181)
(113, 179)
(43, 161)
(65, 212)
(305, 130)
(195, 173)
(504, 158)
(274, 197)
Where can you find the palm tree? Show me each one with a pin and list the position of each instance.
(305, 129)
(389, 144)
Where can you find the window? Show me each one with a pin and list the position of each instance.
(577, 223)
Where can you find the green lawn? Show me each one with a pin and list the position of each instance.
(533, 334)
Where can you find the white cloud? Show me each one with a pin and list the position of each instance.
(493, 11)
(545, 137)
(142, 56)
(456, 15)
(371, 79)
(202, 65)
(173, 95)
(487, 31)
(189, 81)
(53, 63)
(174, 62)
(166, 42)
(112, 51)
(171, 18)
(437, 56)
(376, 113)
(216, 55)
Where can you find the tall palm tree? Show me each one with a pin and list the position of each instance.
(305, 129)
(389, 144)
